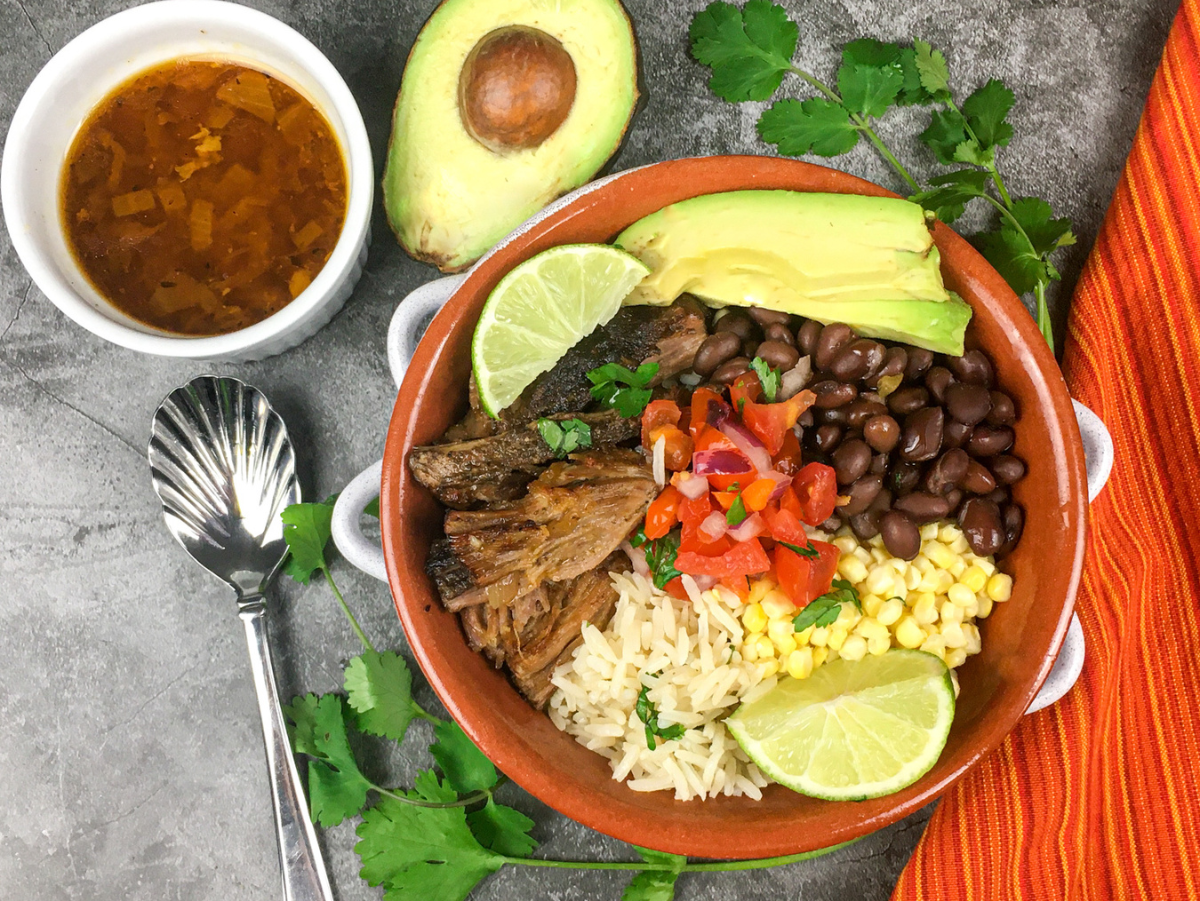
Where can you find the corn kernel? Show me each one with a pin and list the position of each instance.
(785, 644)
(958, 568)
(852, 569)
(909, 633)
(863, 555)
(930, 581)
(954, 680)
(754, 619)
(949, 613)
(921, 563)
(872, 628)
(999, 587)
(952, 635)
(988, 567)
(948, 532)
(778, 628)
(800, 663)
(974, 578)
(819, 637)
(769, 668)
(942, 556)
(974, 641)
(845, 544)
(877, 645)
(764, 647)
(804, 636)
(875, 541)
(759, 590)
(848, 616)
(879, 580)
(934, 644)
(959, 545)
(960, 595)
(819, 656)
(872, 603)
(879, 555)
(855, 648)
(837, 637)
(925, 610)
(750, 651)
(890, 612)
(985, 607)
(912, 578)
(777, 605)
(929, 531)
(955, 657)
(972, 609)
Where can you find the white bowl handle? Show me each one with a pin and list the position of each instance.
(1098, 452)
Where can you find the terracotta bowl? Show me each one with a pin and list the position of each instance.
(1020, 638)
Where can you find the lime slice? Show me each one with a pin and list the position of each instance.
(541, 309)
(853, 729)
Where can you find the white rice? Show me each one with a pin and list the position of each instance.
(686, 652)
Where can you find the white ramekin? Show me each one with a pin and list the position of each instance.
(81, 74)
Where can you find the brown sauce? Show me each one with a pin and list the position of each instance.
(200, 197)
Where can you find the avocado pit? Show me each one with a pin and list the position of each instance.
(516, 88)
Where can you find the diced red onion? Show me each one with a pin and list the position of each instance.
(714, 526)
(637, 557)
(659, 458)
(690, 485)
(705, 582)
(781, 482)
(747, 442)
(721, 462)
(750, 527)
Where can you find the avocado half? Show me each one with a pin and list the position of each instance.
(504, 105)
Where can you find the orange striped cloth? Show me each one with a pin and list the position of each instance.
(1098, 796)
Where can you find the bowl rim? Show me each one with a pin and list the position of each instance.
(257, 27)
(600, 812)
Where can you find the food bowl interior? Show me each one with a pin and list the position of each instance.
(1019, 639)
(101, 59)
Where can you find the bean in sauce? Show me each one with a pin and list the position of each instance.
(978, 479)
(1007, 469)
(832, 393)
(862, 493)
(980, 522)
(859, 359)
(833, 339)
(967, 403)
(989, 440)
(922, 436)
(919, 361)
(716, 349)
(730, 370)
(882, 433)
(973, 367)
(901, 536)
(778, 355)
(808, 335)
(922, 506)
(947, 471)
(907, 400)
(851, 460)
(827, 437)
(1004, 411)
(779, 332)
(937, 380)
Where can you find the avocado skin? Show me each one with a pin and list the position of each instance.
(867, 261)
(447, 198)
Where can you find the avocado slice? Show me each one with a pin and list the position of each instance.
(504, 106)
(867, 261)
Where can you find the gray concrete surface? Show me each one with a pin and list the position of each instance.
(131, 764)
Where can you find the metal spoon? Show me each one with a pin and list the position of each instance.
(223, 467)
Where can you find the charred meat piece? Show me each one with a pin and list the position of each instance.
(465, 474)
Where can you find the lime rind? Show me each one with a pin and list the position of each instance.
(541, 309)
(852, 730)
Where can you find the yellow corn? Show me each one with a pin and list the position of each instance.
(785, 644)
(879, 554)
(819, 636)
(879, 580)
(921, 564)
(955, 657)
(852, 569)
(855, 648)
(959, 545)
(949, 612)
(974, 641)
(999, 587)
(954, 680)
(877, 645)
(755, 618)
(848, 616)
(837, 637)
(942, 556)
(988, 567)
(912, 578)
(890, 611)
(925, 610)
(863, 555)
(805, 636)
(947, 533)
(970, 611)
(909, 633)
(960, 594)
(952, 635)
(934, 644)
(764, 647)
(819, 656)
(769, 668)
(929, 531)
(985, 607)
(872, 604)
(974, 578)
(777, 605)
(800, 663)
(845, 544)
(872, 628)
(758, 591)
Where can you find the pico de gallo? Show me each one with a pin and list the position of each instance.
(739, 493)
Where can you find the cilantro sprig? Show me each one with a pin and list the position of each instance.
(660, 555)
(565, 436)
(446, 834)
(824, 610)
(768, 377)
(750, 52)
(647, 712)
(621, 388)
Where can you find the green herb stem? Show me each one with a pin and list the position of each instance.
(465, 801)
(717, 866)
(995, 173)
(422, 713)
(362, 636)
(883, 150)
(817, 84)
(1043, 314)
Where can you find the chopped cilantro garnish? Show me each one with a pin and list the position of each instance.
(565, 436)
(621, 388)
(737, 512)
(767, 377)
(647, 712)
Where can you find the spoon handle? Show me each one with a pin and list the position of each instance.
(304, 877)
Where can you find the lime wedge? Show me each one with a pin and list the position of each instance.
(851, 730)
(541, 309)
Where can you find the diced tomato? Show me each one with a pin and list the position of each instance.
(772, 422)
(789, 459)
(692, 542)
(701, 398)
(745, 558)
(746, 389)
(725, 498)
(757, 494)
(785, 526)
(693, 511)
(677, 447)
(658, 413)
(788, 501)
(739, 585)
(792, 571)
(714, 439)
(675, 589)
(821, 569)
(750, 527)
(663, 513)
(816, 490)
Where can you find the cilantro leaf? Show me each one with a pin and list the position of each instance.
(428, 787)
(912, 91)
(422, 853)
(749, 50)
(566, 436)
(950, 193)
(807, 551)
(655, 885)
(869, 90)
(946, 132)
(932, 69)
(372, 509)
(621, 388)
(824, 610)
(660, 557)
(768, 377)
(870, 52)
(379, 687)
(336, 787)
(464, 764)
(647, 712)
(1046, 234)
(736, 513)
(986, 109)
(306, 530)
(502, 829)
(815, 126)
(1013, 257)
(675, 861)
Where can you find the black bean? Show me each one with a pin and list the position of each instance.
(980, 521)
(833, 338)
(919, 361)
(851, 460)
(894, 362)
(806, 419)
(937, 380)
(954, 497)
(715, 350)
(778, 355)
(863, 409)
(947, 471)
(808, 335)
(922, 435)
(1004, 411)
(882, 502)
(989, 440)
(907, 400)
(865, 525)
(827, 437)
(738, 322)
(967, 403)
(901, 536)
(777, 331)
(882, 433)
(765, 317)
(862, 493)
(750, 348)
(922, 506)
(879, 464)
(832, 393)
(1014, 523)
(1007, 469)
(973, 367)
(904, 477)
(956, 433)
(832, 524)
(730, 370)
(831, 414)
(857, 360)
(999, 496)
(978, 479)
